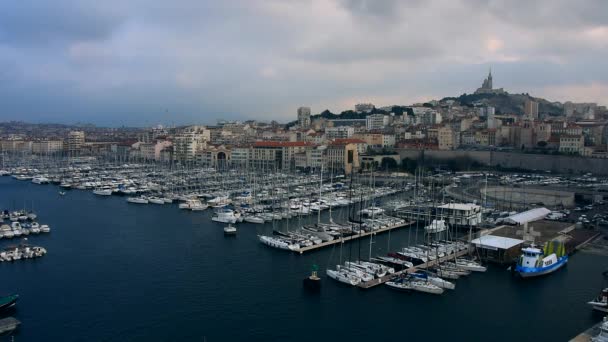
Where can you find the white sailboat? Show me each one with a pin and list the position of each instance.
(343, 277)
(137, 200)
(278, 243)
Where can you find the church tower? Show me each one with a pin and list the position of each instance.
(490, 79)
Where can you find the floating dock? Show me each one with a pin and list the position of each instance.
(352, 237)
(431, 263)
(8, 324)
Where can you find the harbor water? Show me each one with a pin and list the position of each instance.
(125, 272)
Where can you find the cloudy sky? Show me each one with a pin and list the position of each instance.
(143, 62)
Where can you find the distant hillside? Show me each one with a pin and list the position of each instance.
(352, 115)
(503, 103)
(507, 103)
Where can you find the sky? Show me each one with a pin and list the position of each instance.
(145, 62)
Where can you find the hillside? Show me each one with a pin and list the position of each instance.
(507, 103)
(504, 103)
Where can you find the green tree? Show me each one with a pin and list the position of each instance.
(388, 163)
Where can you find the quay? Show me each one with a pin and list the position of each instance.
(430, 263)
(8, 324)
(352, 237)
(589, 334)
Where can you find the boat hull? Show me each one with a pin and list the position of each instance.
(602, 307)
(530, 272)
(9, 304)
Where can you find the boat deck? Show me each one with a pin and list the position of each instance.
(352, 237)
(8, 324)
(431, 263)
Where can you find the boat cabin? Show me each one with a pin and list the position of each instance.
(530, 256)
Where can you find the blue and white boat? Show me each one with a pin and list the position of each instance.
(536, 262)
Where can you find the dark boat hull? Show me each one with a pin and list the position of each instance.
(8, 305)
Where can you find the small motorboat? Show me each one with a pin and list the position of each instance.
(230, 230)
(600, 303)
(61, 193)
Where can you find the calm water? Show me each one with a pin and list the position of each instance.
(123, 272)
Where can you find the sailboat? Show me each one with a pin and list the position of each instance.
(343, 276)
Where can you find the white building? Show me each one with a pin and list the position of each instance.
(376, 121)
(427, 116)
(531, 109)
(189, 141)
(240, 156)
(388, 140)
(152, 150)
(75, 140)
(489, 113)
(47, 146)
(364, 107)
(571, 144)
(340, 132)
(460, 214)
(304, 117)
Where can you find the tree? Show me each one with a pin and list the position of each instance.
(388, 163)
(409, 165)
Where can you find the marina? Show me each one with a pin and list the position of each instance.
(193, 235)
(413, 269)
(360, 235)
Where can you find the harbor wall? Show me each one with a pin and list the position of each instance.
(540, 162)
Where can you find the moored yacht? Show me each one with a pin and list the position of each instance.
(103, 192)
(279, 243)
(343, 277)
(137, 200)
(156, 200)
(436, 226)
(225, 215)
(600, 303)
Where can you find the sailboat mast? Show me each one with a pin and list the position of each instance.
(320, 194)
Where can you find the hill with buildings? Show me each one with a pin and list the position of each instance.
(505, 103)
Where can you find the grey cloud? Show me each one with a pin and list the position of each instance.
(563, 14)
(30, 22)
(343, 52)
(379, 8)
(126, 62)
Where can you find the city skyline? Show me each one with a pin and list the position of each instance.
(117, 64)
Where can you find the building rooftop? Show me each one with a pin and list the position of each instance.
(347, 141)
(528, 216)
(460, 206)
(281, 144)
(496, 242)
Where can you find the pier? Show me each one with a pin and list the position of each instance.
(588, 334)
(430, 263)
(352, 237)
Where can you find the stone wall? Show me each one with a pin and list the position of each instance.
(539, 162)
